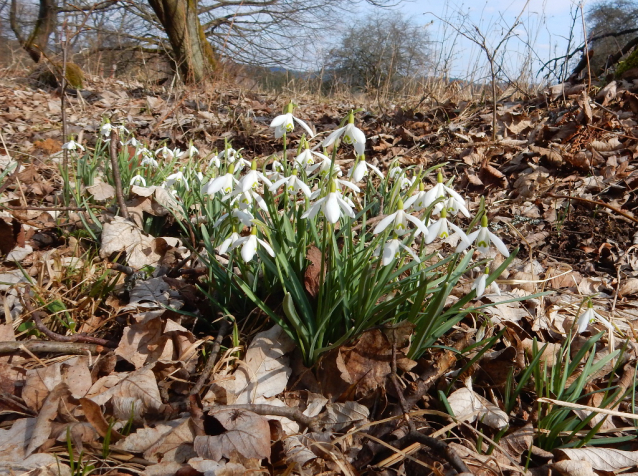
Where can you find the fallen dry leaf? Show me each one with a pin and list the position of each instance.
(469, 406)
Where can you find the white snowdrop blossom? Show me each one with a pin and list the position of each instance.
(251, 180)
(245, 217)
(177, 177)
(453, 207)
(480, 284)
(352, 135)
(347, 184)
(149, 160)
(332, 206)
(591, 316)
(482, 238)
(228, 242)
(392, 250)
(395, 172)
(72, 145)
(399, 221)
(442, 190)
(293, 185)
(276, 171)
(165, 152)
(362, 169)
(286, 123)
(322, 168)
(441, 229)
(307, 158)
(244, 200)
(417, 201)
(106, 129)
(122, 130)
(190, 152)
(137, 180)
(223, 183)
(133, 142)
(214, 162)
(249, 245)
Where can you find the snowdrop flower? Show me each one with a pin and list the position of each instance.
(293, 185)
(214, 162)
(323, 168)
(392, 249)
(228, 242)
(286, 123)
(249, 245)
(442, 190)
(245, 200)
(417, 201)
(406, 182)
(395, 172)
(133, 142)
(165, 152)
(453, 207)
(143, 151)
(483, 237)
(122, 130)
(244, 217)
(399, 221)
(351, 135)
(360, 170)
(440, 229)
(347, 184)
(251, 180)
(138, 179)
(149, 160)
(332, 206)
(106, 128)
(223, 183)
(276, 172)
(591, 316)
(190, 152)
(72, 145)
(229, 154)
(480, 284)
(177, 177)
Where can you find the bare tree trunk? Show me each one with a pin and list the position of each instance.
(192, 51)
(38, 40)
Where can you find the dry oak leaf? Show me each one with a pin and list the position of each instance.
(138, 387)
(573, 468)
(519, 441)
(266, 370)
(39, 383)
(629, 287)
(175, 445)
(468, 406)
(339, 416)
(44, 422)
(120, 235)
(101, 191)
(142, 439)
(601, 459)
(246, 433)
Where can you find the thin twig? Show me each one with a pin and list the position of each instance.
(595, 202)
(115, 139)
(314, 423)
(45, 347)
(37, 319)
(440, 446)
(212, 358)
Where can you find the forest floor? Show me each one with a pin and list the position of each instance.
(95, 378)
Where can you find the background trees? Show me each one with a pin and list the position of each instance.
(381, 51)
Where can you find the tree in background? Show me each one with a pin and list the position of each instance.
(612, 24)
(382, 51)
(193, 33)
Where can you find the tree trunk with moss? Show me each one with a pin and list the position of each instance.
(36, 43)
(192, 51)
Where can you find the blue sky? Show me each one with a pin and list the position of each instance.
(545, 25)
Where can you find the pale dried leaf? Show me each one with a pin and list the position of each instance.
(174, 445)
(341, 415)
(468, 406)
(144, 438)
(601, 459)
(139, 385)
(101, 191)
(44, 422)
(266, 372)
(246, 433)
(39, 383)
(122, 236)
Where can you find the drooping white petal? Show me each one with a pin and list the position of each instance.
(331, 208)
(279, 120)
(312, 212)
(328, 141)
(461, 233)
(499, 244)
(266, 246)
(249, 248)
(583, 320)
(410, 251)
(346, 207)
(418, 223)
(390, 251)
(383, 224)
(304, 125)
(471, 238)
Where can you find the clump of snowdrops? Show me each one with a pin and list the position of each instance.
(324, 250)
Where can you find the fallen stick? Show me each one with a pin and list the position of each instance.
(212, 358)
(595, 202)
(116, 173)
(39, 324)
(41, 346)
